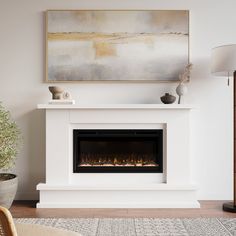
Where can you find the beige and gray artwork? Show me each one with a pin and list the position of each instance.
(117, 45)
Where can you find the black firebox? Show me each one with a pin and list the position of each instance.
(117, 151)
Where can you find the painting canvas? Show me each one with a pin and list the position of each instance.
(92, 45)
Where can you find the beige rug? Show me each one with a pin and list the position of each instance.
(141, 226)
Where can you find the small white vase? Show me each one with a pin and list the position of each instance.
(181, 90)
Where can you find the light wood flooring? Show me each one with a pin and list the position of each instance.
(26, 209)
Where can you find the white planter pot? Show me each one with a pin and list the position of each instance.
(8, 187)
(181, 90)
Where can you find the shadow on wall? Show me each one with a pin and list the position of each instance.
(30, 165)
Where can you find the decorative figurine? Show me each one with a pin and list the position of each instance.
(168, 98)
(182, 88)
(66, 95)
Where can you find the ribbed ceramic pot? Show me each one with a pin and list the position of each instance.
(168, 98)
(8, 187)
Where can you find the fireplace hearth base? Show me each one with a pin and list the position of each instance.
(139, 196)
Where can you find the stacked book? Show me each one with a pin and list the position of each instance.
(61, 101)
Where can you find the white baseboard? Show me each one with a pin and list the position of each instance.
(27, 195)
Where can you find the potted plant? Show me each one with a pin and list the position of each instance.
(10, 139)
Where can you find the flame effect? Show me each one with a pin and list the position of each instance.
(117, 160)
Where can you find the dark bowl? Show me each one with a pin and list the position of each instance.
(168, 98)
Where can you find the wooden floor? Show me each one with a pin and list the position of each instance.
(26, 209)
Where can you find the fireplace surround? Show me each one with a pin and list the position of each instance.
(170, 188)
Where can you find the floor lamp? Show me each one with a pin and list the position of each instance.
(224, 64)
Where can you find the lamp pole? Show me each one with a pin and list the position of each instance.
(231, 206)
(234, 135)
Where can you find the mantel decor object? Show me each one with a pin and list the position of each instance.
(183, 77)
(168, 98)
(59, 96)
(56, 91)
(223, 63)
(181, 90)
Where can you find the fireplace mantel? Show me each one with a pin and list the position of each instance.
(116, 106)
(63, 188)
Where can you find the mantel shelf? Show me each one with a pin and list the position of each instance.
(116, 106)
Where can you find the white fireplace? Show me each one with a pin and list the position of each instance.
(65, 189)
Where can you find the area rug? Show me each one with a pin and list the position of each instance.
(140, 226)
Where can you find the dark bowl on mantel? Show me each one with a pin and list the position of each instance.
(168, 98)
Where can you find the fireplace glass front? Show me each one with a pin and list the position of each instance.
(118, 151)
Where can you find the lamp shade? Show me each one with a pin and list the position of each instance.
(223, 60)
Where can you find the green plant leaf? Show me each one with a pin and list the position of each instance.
(10, 139)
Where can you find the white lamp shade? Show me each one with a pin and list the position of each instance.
(223, 60)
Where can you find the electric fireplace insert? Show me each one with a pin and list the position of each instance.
(118, 151)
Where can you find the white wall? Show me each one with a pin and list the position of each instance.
(22, 72)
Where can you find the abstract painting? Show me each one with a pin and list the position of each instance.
(116, 45)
